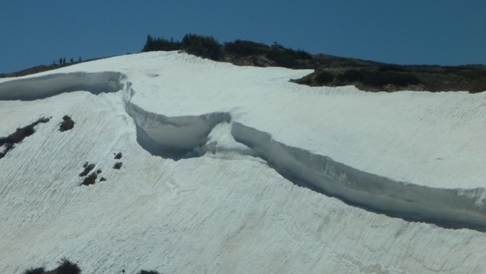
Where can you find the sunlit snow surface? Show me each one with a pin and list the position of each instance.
(221, 209)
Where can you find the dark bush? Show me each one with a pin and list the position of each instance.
(202, 46)
(38, 270)
(398, 68)
(324, 77)
(156, 44)
(148, 272)
(377, 78)
(284, 57)
(351, 75)
(90, 180)
(87, 169)
(208, 47)
(303, 55)
(66, 124)
(245, 48)
(67, 267)
(465, 71)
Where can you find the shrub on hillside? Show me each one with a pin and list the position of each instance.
(385, 68)
(148, 272)
(245, 48)
(38, 270)
(67, 267)
(155, 44)
(202, 46)
(377, 78)
(324, 77)
(287, 57)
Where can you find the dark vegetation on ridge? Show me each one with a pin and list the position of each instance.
(328, 70)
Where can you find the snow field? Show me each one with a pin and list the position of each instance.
(230, 212)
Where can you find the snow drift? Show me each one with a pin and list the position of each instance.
(176, 137)
(414, 156)
(457, 208)
(171, 137)
(53, 84)
(183, 136)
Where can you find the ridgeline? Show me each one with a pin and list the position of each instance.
(328, 70)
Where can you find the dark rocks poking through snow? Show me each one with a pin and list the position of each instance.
(66, 124)
(7, 143)
(118, 156)
(87, 169)
(91, 178)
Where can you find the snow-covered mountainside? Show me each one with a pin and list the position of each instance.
(227, 169)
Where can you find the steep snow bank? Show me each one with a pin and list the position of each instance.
(455, 208)
(53, 84)
(171, 137)
(185, 136)
(228, 211)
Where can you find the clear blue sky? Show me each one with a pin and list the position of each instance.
(443, 32)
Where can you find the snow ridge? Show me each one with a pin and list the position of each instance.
(171, 137)
(41, 87)
(188, 136)
(450, 208)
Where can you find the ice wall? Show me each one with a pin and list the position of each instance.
(187, 136)
(53, 84)
(451, 208)
(171, 137)
(178, 137)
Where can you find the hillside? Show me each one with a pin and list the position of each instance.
(178, 164)
(331, 70)
(328, 70)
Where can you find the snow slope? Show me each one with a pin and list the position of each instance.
(211, 156)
